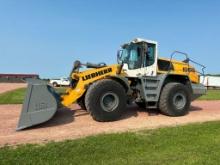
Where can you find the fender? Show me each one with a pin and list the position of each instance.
(123, 81)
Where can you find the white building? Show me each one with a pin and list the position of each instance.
(210, 81)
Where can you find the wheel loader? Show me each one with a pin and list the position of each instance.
(139, 76)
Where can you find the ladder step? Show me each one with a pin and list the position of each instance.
(151, 85)
(153, 92)
(151, 107)
(150, 88)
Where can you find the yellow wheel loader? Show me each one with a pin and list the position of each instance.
(105, 90)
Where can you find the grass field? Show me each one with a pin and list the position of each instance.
(211, 95)
(191, 144)
(17, 96)
(13, 97)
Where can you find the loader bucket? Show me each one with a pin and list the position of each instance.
(40, 104)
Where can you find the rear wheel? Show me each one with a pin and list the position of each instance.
(105, 100)
(175, 99)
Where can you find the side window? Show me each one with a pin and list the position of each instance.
(150, 55)
(134, 59)
(133, 55)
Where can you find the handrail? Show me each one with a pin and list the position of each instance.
(177, 52)
(202, 66)
(187, 61)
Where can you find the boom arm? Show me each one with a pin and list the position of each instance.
(84, 79)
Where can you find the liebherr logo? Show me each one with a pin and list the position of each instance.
(95, 74)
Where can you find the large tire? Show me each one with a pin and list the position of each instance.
(81, 103)
(106, 100)
(175, 99)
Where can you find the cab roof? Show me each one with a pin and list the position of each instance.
(139, 40)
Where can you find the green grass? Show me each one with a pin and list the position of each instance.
(17, 96)
(191, 144)
(211, 95)
(13, 97)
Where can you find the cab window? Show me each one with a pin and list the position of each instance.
(150, 55)
(134, 58)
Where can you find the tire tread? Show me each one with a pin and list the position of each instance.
(163, 102)
(90, 94)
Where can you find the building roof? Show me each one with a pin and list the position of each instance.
(18, 75)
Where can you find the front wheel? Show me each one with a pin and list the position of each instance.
(175, 99)
(81, 103)
(106, 100)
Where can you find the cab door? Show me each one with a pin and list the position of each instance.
(150, 60)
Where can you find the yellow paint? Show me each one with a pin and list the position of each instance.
(72, 95)
(181, 68)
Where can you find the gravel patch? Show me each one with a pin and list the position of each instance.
(4, 87)
(76, 123)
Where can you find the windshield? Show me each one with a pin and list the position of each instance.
(132, 56)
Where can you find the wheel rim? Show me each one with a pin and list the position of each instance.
(179, 100)
(109, 101)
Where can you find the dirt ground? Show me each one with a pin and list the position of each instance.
(75, 123)
(4, 87)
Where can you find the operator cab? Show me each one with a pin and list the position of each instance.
(139, 58)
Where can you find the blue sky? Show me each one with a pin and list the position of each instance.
(46, 36)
